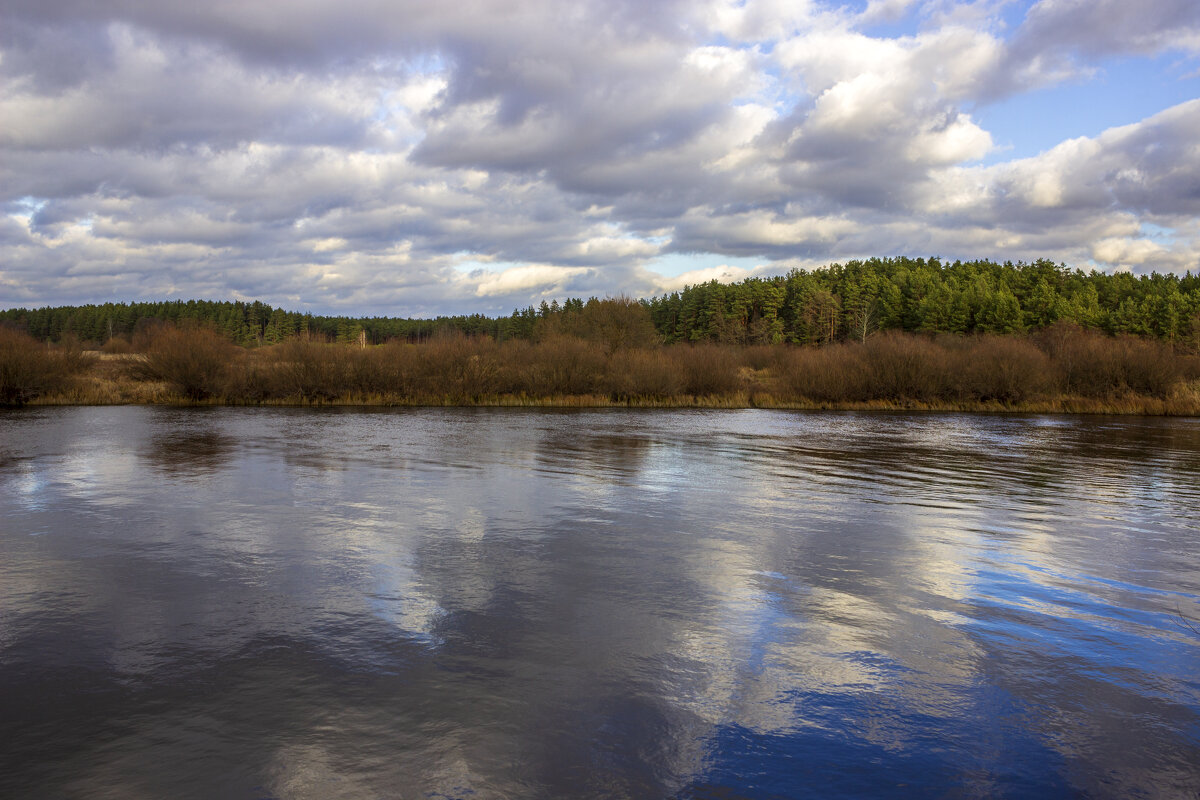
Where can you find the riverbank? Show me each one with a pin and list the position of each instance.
(1056, 371)
(107, 381)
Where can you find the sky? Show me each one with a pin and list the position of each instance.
(416, 158)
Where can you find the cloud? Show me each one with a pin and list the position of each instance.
(1112, 27)
(1125, 252)
(1063, 39)
(354, 156)
(723, 273)
(538, 279)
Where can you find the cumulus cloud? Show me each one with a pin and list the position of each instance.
(724, 273)
(415, 158)
(543, 279)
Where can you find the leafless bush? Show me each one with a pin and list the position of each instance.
(199, 363)
(563, 366)
(117, 345)
(616, 323)
(454, 366)
(251, 379)
(643, 373)
(29, 369)
(1147, 366)
(1094, 365)
(309, 369)
(1085, 365)
(708, 369)
(905, 367)
(761, 356)
(1007, 369)
(390, 369)
(192, 360)
(833, 373)
(1189, 365)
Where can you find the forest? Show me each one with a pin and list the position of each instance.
(879, 334)
(841, 302)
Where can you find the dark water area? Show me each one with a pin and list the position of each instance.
(497, 603)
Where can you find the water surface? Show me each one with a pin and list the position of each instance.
(254, 603)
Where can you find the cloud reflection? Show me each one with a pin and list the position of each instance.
(597, 604)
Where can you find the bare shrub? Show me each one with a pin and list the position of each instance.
(1147, 366)
(1092, 364)
(902, 366)
(834, 373)
(616, 323)
(1189, 365)
(309, 369)
(389, 369)
(117, 345)
(1084, 364)
(708, 369)
(761, 356)
(513, 357)
(70, 355)
(251, 379)
(453, 366)
(564, 366)
(1001, 368)
(191, 360)
(29, 369)
(643, 373)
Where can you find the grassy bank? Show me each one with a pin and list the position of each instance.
(1060, 369)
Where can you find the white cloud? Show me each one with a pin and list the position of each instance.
(723, 273)
(539, 279)
(349, 157)
(1126, 252)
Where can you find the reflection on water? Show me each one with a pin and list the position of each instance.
(502, 603)
(598, 455)
(193, 446)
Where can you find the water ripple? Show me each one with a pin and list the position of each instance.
(508, 603)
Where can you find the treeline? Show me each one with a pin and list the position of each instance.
(849, 302)
(839, 303)
(247, 324)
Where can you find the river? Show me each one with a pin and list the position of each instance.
(506, 603)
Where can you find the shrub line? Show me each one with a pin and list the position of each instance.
(1061, 369)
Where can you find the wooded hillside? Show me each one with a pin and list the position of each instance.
(841, 302)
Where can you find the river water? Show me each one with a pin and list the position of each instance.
(499, 603)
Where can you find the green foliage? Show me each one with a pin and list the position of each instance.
(246, 324)
(852, 301)
(842, 302)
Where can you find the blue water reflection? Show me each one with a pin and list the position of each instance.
(507, 603)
